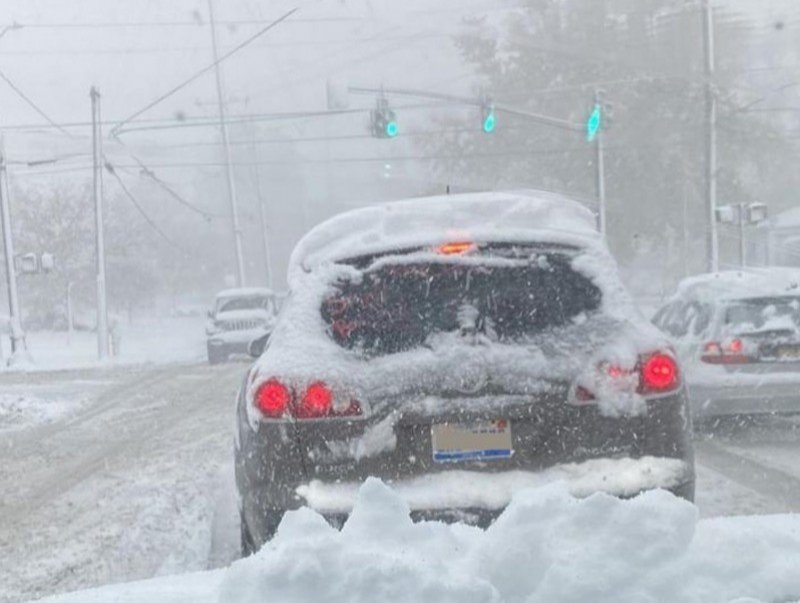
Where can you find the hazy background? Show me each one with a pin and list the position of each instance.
(547, 56)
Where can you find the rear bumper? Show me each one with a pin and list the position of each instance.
(279, 467)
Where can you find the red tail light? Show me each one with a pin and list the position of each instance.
(316, 402)
(729, 352)
(658, 374)
(273, 399)
(277, 401)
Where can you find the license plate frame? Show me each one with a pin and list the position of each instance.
(479, 441)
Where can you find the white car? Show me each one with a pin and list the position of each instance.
(238, 317)
(737, 334)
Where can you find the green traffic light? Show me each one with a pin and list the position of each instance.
(489, 122)
(593, 123)
(391, 129)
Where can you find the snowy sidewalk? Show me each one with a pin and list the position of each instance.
(160, 341)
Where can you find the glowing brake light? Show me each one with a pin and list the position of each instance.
(276, 401)
(316, 402)
(455, 248)
(654, 374)
(729, 352)
(273, 399)
(659, 373)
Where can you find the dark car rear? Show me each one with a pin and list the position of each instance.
(474, 357)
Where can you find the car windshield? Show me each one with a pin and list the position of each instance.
(764, 314)
(397, 307)
(243, 303)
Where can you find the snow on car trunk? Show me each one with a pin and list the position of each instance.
(569, 315)
(546, 546)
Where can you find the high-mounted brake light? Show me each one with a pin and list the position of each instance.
(273, 399)
(455, 248)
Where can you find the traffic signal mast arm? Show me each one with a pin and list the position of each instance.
(462, 100)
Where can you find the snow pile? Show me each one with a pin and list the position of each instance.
(547, 546)
(451, 489)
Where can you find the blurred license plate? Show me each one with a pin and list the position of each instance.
(789, 353)
(487, 441)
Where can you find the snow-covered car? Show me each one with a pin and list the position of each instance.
(238, 317)
(459, 348)
(737, 334)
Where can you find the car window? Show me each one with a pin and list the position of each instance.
(243, 303)
(702, 314)
(397, 307)
(675, 320)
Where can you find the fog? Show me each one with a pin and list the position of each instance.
(301, 144)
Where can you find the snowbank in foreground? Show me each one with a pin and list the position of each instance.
(547, 546)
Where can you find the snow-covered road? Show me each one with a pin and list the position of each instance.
(133, 480)
(111, 475)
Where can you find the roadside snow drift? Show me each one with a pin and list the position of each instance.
(547, 546)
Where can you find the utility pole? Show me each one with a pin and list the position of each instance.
(237, 232)
(17, 335)
(711, 154)
(100, 252)
(262, 207)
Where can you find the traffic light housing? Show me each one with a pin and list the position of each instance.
(384, 120)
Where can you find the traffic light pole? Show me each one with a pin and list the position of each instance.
(601, 183)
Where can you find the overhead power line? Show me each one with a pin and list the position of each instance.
(33, 105)
(146, 171)
(112, 170)
(206, 69)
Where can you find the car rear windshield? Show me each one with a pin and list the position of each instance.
(773, 313)
(398, 307)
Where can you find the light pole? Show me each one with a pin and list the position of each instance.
(223, 126)
(711, 141)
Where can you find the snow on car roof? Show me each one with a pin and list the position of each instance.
(741, 284)
(497, 216)
(245, 292)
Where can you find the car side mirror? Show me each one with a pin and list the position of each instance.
(257, 346)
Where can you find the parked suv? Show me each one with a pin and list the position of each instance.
(459, 348)
(238, 317)
(738, 336)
